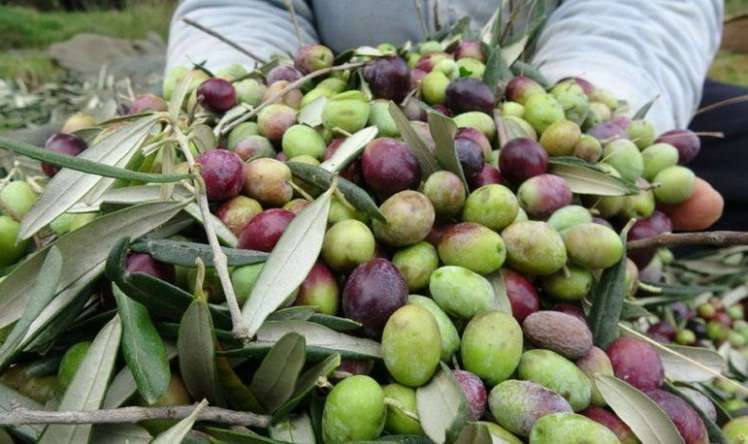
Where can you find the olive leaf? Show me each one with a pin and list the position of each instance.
(274, 381)
(185, 253)
(289, 262)
(475, 433)
(297, 312)
(512, 52)
(179, 95)
(586, 178)
(123, 386)
(607, 298)
(642, 112)
(86, 390)
(713, 430)
(178, 431)
(40, 295)
(442, 407)
(334, 322)
(423, 154)
(84, 251)
(501, 299)
(238, 395)
(143, 348)
(222, 231)
(322, 179)
(443, 131)
(683, 363)
(351, 147)
(80, 164)
(296, 429)
(525, 69)
(497, 70)
(645, 418)
(196, 352)
(320, 336)
(10, 399)
(311, 114)
(120, 434)
(69, 186)
(306, 383)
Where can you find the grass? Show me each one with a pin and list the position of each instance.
(730, 67)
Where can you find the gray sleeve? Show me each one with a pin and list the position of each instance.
(636, 49)
(262, 26)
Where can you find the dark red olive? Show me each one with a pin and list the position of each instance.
(523, 296)
(263, 231)
(470, 155)
(223, 173)
(351, 172)
(685, 141)
(607, 131)
(69, 144)
(468, 94)
(486, 176)
(475, 393)
(662, 331)
(521, 159)
(388, 77)
(217, 95)
(388, 166)
(145, 263)
(470, 48)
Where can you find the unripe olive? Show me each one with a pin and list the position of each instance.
(461, 292)
(17, 198)
(347, 244)
(472, 246)
(478, 120)
(354, 411)
(416, 263)
(492, 346)
(494, 206)
(303, 140)
(561, 138)
(593, 245)
(348, 111)
(541, 110)
(450, 339)
(534, 247)
(434, 87)
(657, 157)
(676, 184)
(397, 421)
(625, 157)
(641, 132)
(411, 331)
(446, 192)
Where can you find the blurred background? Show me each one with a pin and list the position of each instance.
(54, 53)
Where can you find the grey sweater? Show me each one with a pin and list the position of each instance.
(637, 49)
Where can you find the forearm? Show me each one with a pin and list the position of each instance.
(637, 50)
(263, 26)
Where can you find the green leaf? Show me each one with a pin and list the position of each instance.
(179, 95)
(41, 294)
(715, 433)
(525, 69)
(475, 433)
(350, 149)
(85, 166)
(683, 363)
(307, 383)
(160, 297)
(322, 179)
(86, 390)
(239, 436)
(185, 253)
(70, 186)
(120, 434)
(178, 431)
(311, 114)
(443, 131)
(586, 178)
(238, 396)
(423, 154)
(296, 429)
(497, 70)
(512, 52)
(222, 231)
(142, 347)
(274, 381)
(10, 399)
(289, 262)
(196, 348)
(501, 299)
(123, 386)
(334, 322)
(296, 312)
(607, 298)
(645, 418)
(642, 112)
(84, 252)
(442, 407)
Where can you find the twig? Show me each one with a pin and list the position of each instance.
(293, 85)
(721, 103)
(297, 30)
(23, 416)
(712, 238)
(234, 45)
(717, 134)
(220, 262)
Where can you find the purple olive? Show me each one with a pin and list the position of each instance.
(264, 230)
(223, 173)
(685, 141)
(520, 88)
(487, 175)
(283, 72)
(657, 223)
(388, 167)
(351, 172)
(470, 48)
(144, 263)
(607, 131)
(372, 292)
(622, 121)
(466, 94)
(470, 155)
(217, 95)
(477, 137)
(522, 158)
(475, 393)
(388, 77)
(147, 102)
(541, 195)
(69, 144)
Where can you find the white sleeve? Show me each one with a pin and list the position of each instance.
(636, 49)
(262, 26)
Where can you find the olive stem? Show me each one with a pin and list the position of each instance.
(730, 101)
(240, 329)
(712, 238)
(301, 191)
(293, 85)
(234, 45)
(23, 416)
(396, 404)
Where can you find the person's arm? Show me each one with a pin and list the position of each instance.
(637, 50)
(262, 26)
